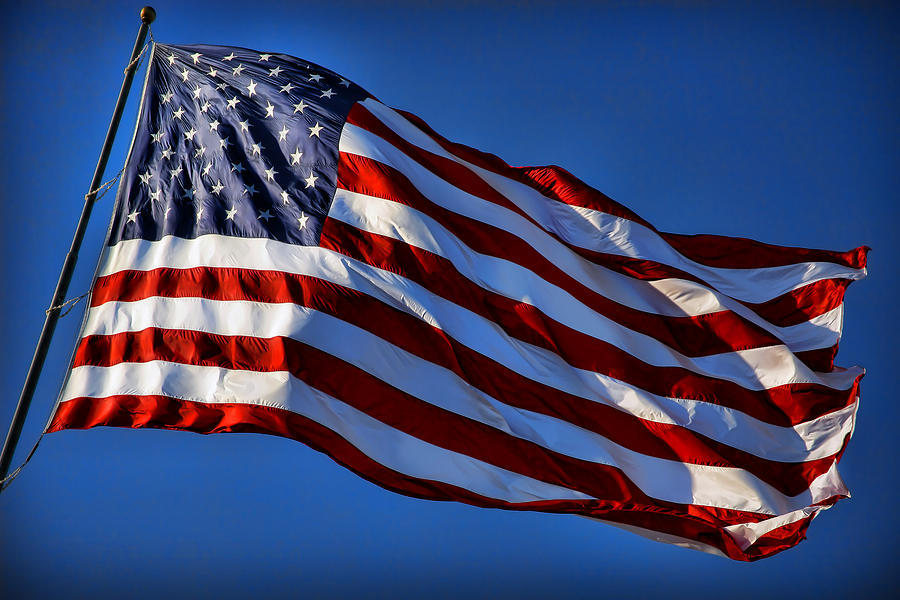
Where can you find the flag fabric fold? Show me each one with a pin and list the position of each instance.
(288, 255)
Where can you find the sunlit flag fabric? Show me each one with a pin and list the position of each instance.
(288, 255)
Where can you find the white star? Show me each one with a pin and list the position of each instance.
(133, 216)
(237, 70)
(344, 83)
(327, 94)
(171, 59)
(205, 106)
(154, 195)
(311, 180)
(197, 91)
(231, 213)
(282, 135)
(237, 167)
(275, 72)
(315, 129)
(224, 142)
(264, 57)
(189, 135)
(206, 168)
(295, 157)
(303, 219)
(164, 98)
(270, 174)
(257, 148)
(229, 57)
(299, 107)
(284, 197)
(175, 172)
(184, 75)
(270, 110)
(145, 177)
(244, 126)
(178, 113)
(168, 209)
(265, 214)
(196, 56)
(214, 125)
(233, 102)
(156, 136)
(200, 151)
(167, 153)
(218, 187)
(251, 88)
(286, 88)
(199, 213)
(249, 189)
(213, 72)
(315, 77)
(221, 86)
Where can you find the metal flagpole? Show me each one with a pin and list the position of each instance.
(65, 276)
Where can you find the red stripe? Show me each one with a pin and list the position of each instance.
(707, 334)
(168, 413)
(712, 250)
(820, 360)
(803, 303)
(387, 404)
(773, 542)
(743, 253)
(466, 180)
(784, 405)
(648, 437)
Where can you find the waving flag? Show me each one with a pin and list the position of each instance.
(288, 255)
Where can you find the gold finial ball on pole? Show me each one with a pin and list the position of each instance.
(147, 15)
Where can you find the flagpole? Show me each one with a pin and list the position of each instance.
(65, 276)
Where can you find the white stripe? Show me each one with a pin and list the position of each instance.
(823, 331)
(813, 439)
(390, 447)
(756, 368)
(602, 232)
(668, 297)
(746, 534)
(468, 328)
(664, 479)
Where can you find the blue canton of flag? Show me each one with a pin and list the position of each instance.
(241, 144)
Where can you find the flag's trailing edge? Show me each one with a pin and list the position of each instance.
(290, 256)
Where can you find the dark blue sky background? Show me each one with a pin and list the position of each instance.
(772, 121)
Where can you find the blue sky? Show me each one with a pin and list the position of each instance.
(772, 121)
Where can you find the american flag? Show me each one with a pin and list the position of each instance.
(288, 255)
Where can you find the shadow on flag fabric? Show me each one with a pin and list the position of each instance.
(288, 255)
